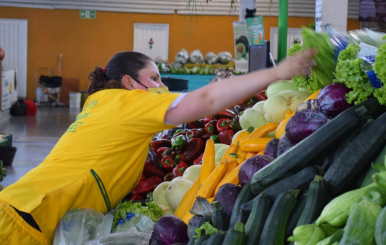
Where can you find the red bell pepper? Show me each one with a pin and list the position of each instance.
(136, 198)
(151, 169)
(223, 124)
(182, 133)
(210, 127)
(161, 151)
(167, 163)
(198, 161)
(195, 133)
(207, 136)
(166, 137)
(261, 96)
(180, 169)
(194, 148)
(208, 119)
(196, 124)
(168, 177)
(146, 186)
(143, 177)
(156, 144)
(226, 136)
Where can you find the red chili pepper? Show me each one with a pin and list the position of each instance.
(194, 148)
(226, 113)
(183, 164)
(161, 151)
(226, 136)
(160, 143)
(198, 161)
(208, 119)
(136, 197)
(146, 186)
(167, 163)
(168, 177)
(196, 124)
(195, 133)
(261, 96)
(151, 168)
(223, 124)
(143, 177)
(210, 127)
(206, 136)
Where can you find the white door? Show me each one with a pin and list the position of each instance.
(152, 39)
(13, 39)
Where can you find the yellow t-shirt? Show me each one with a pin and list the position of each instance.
(97, 161)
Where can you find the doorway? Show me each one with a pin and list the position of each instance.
(13, 40)
(152, 39)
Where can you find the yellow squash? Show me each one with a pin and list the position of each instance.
(243, 135)
(208, 161)
(232, 177)
(313, 96)
(262, 131)
(281, 128)
(254, 145)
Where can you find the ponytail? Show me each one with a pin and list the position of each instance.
(99, 81)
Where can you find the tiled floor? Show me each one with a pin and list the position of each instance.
(34, 137)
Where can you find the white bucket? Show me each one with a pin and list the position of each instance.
(39, 95)
(74, 100)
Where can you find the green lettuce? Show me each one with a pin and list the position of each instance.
(152, 210)
(207, 227)
(380, 70)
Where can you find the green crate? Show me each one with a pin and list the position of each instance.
(5, 139)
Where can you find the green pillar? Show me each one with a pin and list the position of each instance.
(283, 28)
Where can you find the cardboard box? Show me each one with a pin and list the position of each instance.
(8, 88)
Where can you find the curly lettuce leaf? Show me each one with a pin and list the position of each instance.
(350, 53)
(325, 58)
(380, 94)
(295, 49)
(380, 70)
(153, 211)
(207, 227)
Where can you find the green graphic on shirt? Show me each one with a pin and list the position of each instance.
(81, 116)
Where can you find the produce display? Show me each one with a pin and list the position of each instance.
(303, 163)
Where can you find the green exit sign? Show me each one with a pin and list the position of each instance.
(87, 14)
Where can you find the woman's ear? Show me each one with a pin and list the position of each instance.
(128, 82)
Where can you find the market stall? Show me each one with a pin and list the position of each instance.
(302, 162)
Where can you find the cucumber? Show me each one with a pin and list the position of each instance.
(245, 196)
(216, 238)
(295, 214)
(274, 228)
(236, 236)
(301, 155)
(201, 239)
(358, 155)
(220, 218)
(380, 228)
(257, 218)
(299, 181)
(316, 201)
(380, 160)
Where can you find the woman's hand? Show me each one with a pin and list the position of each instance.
(295, 66)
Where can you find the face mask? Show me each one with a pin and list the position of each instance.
(158, 90)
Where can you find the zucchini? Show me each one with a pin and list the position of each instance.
(216, 238)
(380, 228)
(380, 160)
(299, 181)
(316, 201)
(301, 155)
(274, 228)
(295, 214)
(358, 155)
(201, 239)
(245, 196)
(220, 218)
(257, 218)
(236, 236)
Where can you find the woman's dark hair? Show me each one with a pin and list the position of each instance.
(122, 63)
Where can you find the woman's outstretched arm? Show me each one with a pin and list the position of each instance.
(215, 97)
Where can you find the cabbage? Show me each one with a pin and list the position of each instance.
(281, 85)
(169, 230)
(252, 118)
(251, 166)
(226, 196)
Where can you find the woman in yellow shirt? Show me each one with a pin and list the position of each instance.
(99, 159)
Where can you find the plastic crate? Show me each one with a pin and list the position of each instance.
(5, 139)
(231, 64)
